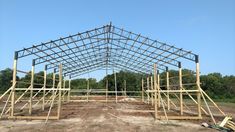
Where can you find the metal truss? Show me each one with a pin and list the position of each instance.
(104, 47)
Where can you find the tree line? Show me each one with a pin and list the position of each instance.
(217, 86)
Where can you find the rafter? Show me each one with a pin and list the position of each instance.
(105, 46)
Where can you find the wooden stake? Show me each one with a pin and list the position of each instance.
(213, 103)
(17, 100)
(125, 88)
(69, 90)
(107, 83)
(200, 92)
(33, 117)
(160, 98)
(198, 87)
(151, 89)
(158, 88)
(115, 79)
(168, 88)
(181, 87)
(54, 95)
(180, 117)
(148, 89)
(208, 108)
(155, 93)
(64, 85)
(195, 102)
(60, 86)
(142, 82)
(8, 91)
(5, 105)
(44, 86)
(31, 90)
(13, 85)
(53, 83)
(87, 94)
(170, 100)
(32, 98)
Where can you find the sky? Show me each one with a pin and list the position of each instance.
(206, 27)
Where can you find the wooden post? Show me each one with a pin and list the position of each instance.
(115, 79)
(198, 86)
(142, 82)
(13, 84)
(44, 86)
(107, 83)
(87, 94)
(151, 89)
(155, 93)
(158, 88)
(181, 88)
(69, 89)
(125, 88)
(64, 85)
(60, 86)
(53, 83)
(168, 88)
(31, 88)
(148, 89)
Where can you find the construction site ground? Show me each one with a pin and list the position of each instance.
(126, 115)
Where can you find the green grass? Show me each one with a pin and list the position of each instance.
(227, 100)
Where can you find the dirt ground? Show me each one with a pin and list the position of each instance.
(101, 116)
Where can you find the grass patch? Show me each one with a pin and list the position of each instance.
(226, 100)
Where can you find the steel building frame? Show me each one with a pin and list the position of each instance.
(105, 47)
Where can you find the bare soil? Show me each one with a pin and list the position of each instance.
(105, 117)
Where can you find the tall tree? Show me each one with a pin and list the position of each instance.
(5, 79)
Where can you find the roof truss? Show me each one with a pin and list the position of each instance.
(103, 47)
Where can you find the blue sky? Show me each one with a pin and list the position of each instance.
(206, 27)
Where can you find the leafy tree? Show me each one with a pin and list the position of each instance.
(79, 83)
(216, 85)
(229, 86)
(133, 81)
(213, 84)
(5, 79)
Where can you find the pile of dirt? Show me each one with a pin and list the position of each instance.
(128, 100)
